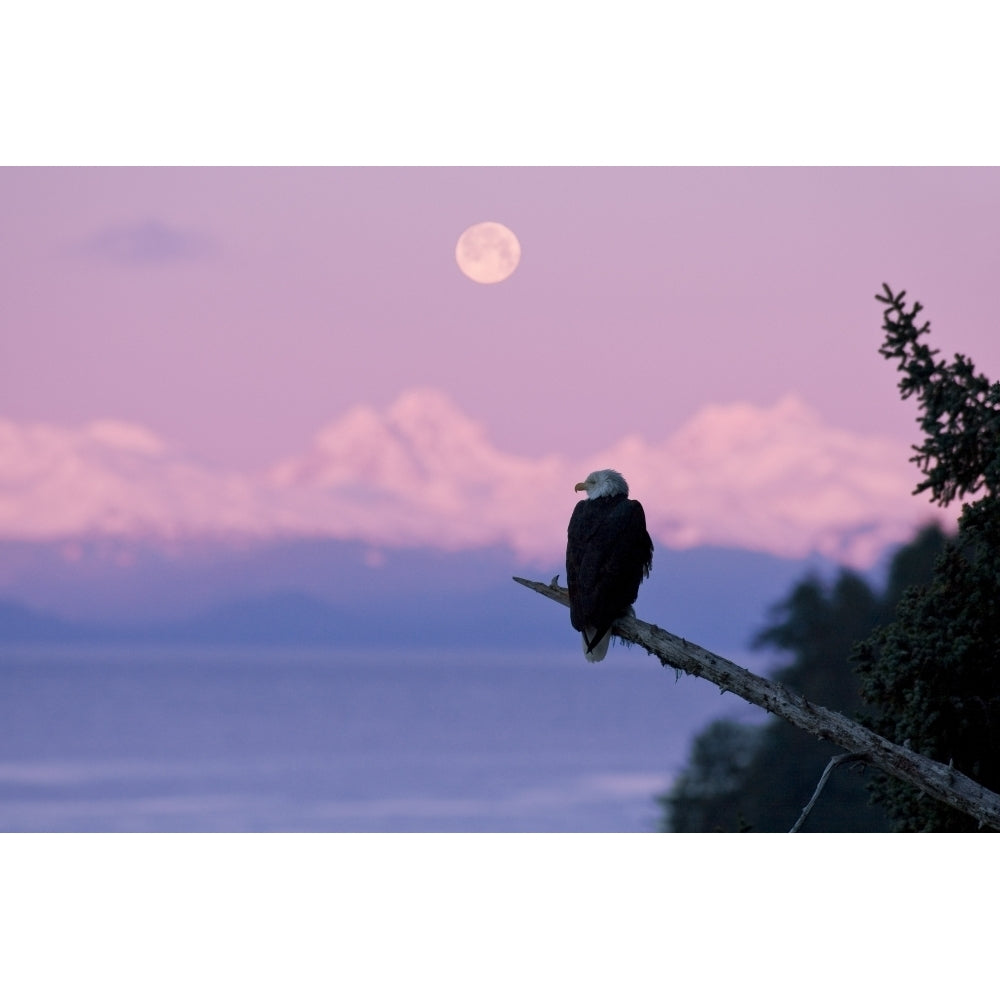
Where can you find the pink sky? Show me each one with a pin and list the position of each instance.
(233, 313)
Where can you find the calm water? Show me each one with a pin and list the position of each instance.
(201, 739)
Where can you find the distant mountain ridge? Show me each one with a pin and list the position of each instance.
(342, 593)
(19, 623)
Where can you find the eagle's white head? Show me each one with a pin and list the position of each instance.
(606, 483)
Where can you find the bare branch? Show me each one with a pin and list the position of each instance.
(827, 771)
(938, 780)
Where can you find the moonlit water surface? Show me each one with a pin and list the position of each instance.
(238, 739)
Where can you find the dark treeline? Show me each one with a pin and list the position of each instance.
(759, 777)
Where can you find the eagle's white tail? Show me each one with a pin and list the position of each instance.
(600, 650)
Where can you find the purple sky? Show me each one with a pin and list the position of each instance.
(275, 350)
(235, 311)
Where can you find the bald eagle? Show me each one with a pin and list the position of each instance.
(608, 553)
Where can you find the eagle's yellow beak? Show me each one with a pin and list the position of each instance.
(580, 486)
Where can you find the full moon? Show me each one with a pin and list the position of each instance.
(487, 252)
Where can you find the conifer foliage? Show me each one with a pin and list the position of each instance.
(931, 679)
(960, 409)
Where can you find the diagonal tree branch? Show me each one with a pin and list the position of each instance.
(938, 780)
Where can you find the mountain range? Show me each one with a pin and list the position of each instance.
(329, 592)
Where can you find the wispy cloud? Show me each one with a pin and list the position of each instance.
(147, 242)
(773, 479)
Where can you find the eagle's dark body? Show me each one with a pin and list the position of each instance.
(608, 553)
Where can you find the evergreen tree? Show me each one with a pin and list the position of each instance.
(708, 794)
(931, 680)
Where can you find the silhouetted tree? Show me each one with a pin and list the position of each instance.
(960, 409)
(931, 679)
(708, 795)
